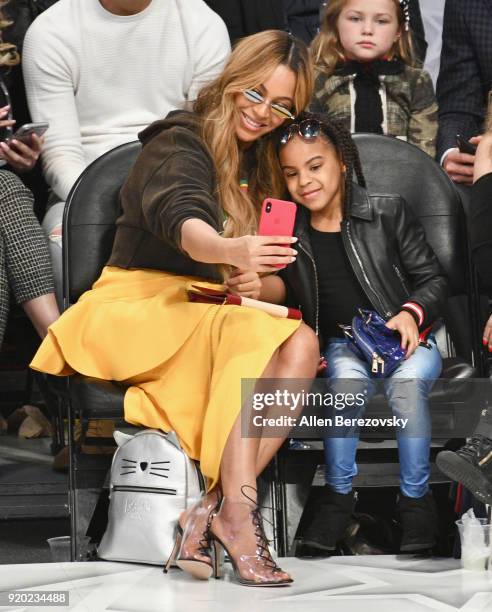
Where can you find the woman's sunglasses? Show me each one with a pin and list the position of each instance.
(307, 129)
(253, 95)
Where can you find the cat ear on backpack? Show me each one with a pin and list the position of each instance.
(121, 438)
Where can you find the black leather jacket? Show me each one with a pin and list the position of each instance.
(386, 246)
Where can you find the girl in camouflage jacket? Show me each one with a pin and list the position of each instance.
(365, 77)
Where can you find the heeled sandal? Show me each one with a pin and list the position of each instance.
(201, 568)
(261, 565)
(171, 562)
(194, 556)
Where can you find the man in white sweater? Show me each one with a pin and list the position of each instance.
(99, 71)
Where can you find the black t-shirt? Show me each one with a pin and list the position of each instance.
(340, 293)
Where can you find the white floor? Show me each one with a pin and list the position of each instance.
(341, 584)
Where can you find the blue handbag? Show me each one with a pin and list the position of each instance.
(372, 341)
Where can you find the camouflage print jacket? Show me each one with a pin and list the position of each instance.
(408, 102)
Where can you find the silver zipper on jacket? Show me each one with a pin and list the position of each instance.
(402, 280)
(136, 489)
(387, 313)
(316, 283)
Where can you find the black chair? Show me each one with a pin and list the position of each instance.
(393, 166)
(91, 210)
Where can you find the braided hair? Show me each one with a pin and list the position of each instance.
(340, 138)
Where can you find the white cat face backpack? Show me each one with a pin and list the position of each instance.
(152, 482)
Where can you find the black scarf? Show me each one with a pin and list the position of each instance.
(368, 107)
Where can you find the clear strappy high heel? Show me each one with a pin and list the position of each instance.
(191, 551)
(253, 567)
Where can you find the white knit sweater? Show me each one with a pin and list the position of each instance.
(100, 78)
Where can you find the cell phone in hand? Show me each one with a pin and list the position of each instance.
(25, 132)
(277, 218)
(465, 146)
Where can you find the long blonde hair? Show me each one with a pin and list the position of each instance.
(251, 63)
(327, 50)
(9, 56)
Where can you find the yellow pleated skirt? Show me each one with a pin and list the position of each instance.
(183, 361)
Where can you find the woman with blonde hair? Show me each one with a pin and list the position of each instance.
(366, 75)
(190, 213)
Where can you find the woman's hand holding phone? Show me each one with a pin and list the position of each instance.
(277, 217)
(22, 156)
(260, 253)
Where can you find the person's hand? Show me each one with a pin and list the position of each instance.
(245, 283)
(405, 325)
(459, 166)
(260, 253)
(487, 334)
(4, 121)
(483, 156)
(22, 156)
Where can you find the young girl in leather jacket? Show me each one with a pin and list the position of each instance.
(361, 250)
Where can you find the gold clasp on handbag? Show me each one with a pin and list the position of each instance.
(377, 362)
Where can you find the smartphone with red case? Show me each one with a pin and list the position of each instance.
(277, 219)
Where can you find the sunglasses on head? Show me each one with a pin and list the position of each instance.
(307, 129)
(253, 95)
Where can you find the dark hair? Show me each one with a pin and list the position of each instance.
(339, 137)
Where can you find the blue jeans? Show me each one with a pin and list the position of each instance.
(407, 391)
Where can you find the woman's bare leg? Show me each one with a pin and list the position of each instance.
(242, 461)
(244, 458)
(244, 454)
(42, 311)
(293, 363)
